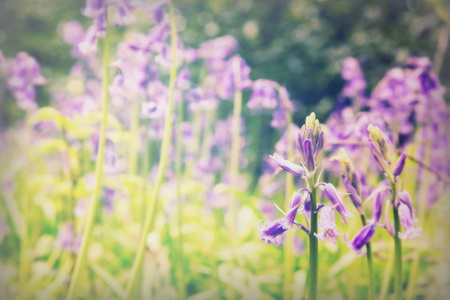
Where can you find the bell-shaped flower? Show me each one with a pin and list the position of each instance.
(379, 197)
(327, 225)
(405, 198)
(407, 220)
(296, 200)
(333, 195)
(270, 231)
(362, 238)
(287, 165)
(94, 8)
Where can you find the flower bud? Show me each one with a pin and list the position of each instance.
(311, 164)
(398, 167)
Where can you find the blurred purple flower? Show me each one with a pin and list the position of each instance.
(94, 8)
(263, 95)
(23, 73)
(66, 239)
(124, 15)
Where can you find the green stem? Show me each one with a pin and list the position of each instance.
(398, 247)
(313, 245)
(145, 171)
(151, 210)
(422, 199)
(288, 256)
(134, 143)
(387, 276)
(178, 168)
(98, 175)
(369, 265)
(234, 159)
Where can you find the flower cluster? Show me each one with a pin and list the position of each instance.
(22, 73)
(310, 146)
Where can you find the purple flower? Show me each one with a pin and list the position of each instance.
(294, 204)
(219, 48)
(278, 118)
(287, 165)
(407, 220)
(405, 198)
(157, 11)
(327, 225)
(199, 101)
(73, 33)
(93, 8)
(310, 163)
(355, 82)
(362, 238)
(23, 74)
(88, 47)
(282, 144)
(399, 165)
(353, 194)
(263, 95)
(123, 15)
(109, 196)
(66, 239)
(236, 76)
(332, 194)
(270, 231)
(183, 79)
(379, 197)
(378, 155)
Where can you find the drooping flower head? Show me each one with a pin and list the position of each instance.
(327, 225)
(362, 238)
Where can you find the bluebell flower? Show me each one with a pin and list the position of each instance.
(327, 225)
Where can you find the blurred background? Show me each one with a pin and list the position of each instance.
(298, 43)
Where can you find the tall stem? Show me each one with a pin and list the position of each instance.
(313, 245)
(151, 210)
(98, 174)
(369, 265)
(398, 247)
(145, 171)
(288, 257)
(234, 159)
(134, 143)
(178, 167)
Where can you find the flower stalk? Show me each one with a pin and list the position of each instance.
(288, 256)
(397, 247)
(178, 170)
(369, 265)
(313, 244)
(152, 207)
(79, 264)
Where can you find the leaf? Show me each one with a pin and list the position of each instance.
(46, 146)
(299, 284)
(110, 280)
(14, 213)
(343, 262)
